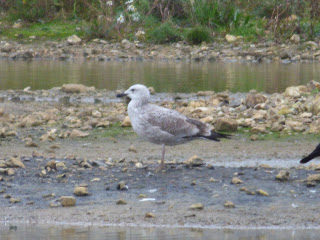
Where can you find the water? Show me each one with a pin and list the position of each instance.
(36, 232)
(163, 76)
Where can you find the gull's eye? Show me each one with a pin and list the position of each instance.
(132, 90)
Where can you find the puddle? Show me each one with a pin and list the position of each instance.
(30, 232)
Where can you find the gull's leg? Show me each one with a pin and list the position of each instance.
(162, 159)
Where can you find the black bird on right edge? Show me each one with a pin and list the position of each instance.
(314, 154)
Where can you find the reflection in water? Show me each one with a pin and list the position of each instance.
(30, 232)
(163, 76)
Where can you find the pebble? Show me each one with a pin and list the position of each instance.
(283, 175)
(132, 149)
(81, 191)
(67, 201)
(194, 161)
(121, 202)
(236, 180)
(262, 192)
(150, 215)
(229, 204)
(122, 185)
(14, 200)
(196, 206)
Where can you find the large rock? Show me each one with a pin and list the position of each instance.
(254, 99)
(226, 124)
(16, 162)
(74, 39)
(78, 134)
(30, 121)
(76, 88)
(315, 127)
(295, 91)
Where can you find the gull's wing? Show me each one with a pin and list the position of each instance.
(173, 122)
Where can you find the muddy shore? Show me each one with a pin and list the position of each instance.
(166, 195)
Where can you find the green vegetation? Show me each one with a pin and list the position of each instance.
(198, 35)
(162, 21)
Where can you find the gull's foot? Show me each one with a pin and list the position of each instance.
(161, 168)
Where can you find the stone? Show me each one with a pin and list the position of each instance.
(74, 39)
(30, 121)
(194, 161)
(52, 164)
(262, 192)
(132, 149)
(2, 112)
(229, 204)
(230, 38)
(295, 38)
(293, 92)
(67, 201)
(253, 99)
(81, 191)
(17, 25)
(126, 122)
(121, 202)
(226, 124)
(151, 90)
(122, 185)
(313, 178)
(10, 172)
(207, 119)
(236, 180)
(76, 88)
(254, 137)
(96, 114)
(14, 200)
(283, 175)
(196, 206)
(142, 196)
(258, 129)
(75, 133)
(149, 215)
(16, 162)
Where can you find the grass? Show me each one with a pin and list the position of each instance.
(244, 132)
(54, 30)
(111, 131)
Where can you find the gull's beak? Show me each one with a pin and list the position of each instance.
(121, 95)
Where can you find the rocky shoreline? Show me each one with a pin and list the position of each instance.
(75, 110)
(101, 50)
(65, 158)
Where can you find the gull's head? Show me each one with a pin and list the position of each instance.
(137, 92)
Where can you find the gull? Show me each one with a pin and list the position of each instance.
(314, 154)
(162, 125)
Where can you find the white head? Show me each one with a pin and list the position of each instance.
(138, 92)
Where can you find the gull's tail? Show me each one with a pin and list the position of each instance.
(216, 136)
(314, 154)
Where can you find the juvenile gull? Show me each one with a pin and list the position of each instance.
(314, 154)
(161, 125)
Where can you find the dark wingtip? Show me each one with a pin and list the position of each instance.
(314, 154)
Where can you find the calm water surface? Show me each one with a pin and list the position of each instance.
(163, 76)
(112, 233)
